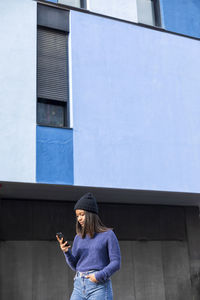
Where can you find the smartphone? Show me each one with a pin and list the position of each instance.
(61, 235)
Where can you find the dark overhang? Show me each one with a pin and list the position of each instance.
(57, 192)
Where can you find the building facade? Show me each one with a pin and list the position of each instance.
(100, 96)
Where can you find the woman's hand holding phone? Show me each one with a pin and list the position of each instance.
(64, 246)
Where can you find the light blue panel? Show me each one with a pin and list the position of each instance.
(136, 106)
(182, 16)
(54, 155)
(55, 1)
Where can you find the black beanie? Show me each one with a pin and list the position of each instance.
(87, 202)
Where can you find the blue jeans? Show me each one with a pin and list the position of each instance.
(85, 289)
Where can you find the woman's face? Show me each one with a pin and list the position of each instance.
(80, 215)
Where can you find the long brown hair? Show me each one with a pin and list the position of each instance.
(91, 226)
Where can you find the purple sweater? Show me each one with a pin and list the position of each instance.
(101, 253)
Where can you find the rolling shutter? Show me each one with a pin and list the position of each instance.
(52, 65)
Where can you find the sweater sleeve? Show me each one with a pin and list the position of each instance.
(71, 255)
(114, 257)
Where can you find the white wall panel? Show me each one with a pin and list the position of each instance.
(126, 10)
(18, 90)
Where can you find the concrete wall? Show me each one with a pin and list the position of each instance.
(135, 106)
(193, 228)
(181, 16)
(150, 270)
(33, 270)
(40, 220)
(154, 242)
(18, 90)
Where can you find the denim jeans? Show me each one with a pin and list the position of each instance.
(85, 289)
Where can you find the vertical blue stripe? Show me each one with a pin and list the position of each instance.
(54, 155)
(181, 16)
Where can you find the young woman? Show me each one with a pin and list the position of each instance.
(95, 254)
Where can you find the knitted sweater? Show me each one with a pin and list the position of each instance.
(100, 253)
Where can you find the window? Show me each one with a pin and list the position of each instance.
(141, 11)
(76, 3)
(52, 69)
(51, 113)
(148, 12)
(145, 9)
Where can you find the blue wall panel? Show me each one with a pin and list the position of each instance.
(135, 106)
(55, 1)
(54, 160)
(182, 16)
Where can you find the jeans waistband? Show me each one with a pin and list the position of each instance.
(82, 274)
